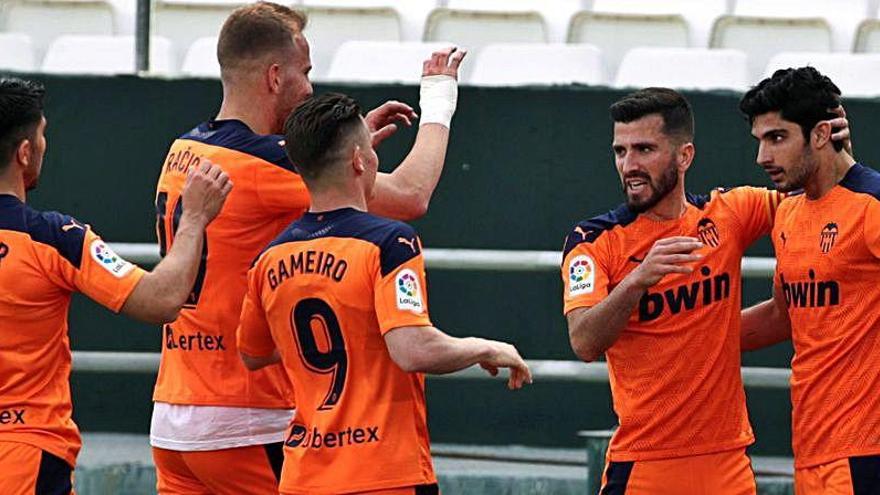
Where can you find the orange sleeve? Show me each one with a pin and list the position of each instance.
(585, 272)
(401, 296)
(102, 275)
(754, 209)
(280, 190)
(872, 227)
(253, 335)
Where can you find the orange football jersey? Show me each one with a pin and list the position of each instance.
(200, 363)
(675, 370)
(44, 258)
(828, 270)
(324, 294)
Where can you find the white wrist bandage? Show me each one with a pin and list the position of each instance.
(437, 99)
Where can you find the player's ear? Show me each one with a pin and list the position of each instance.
(821, 134)
(685, 156)
(357, 160)
(273, 78)
(24, 153)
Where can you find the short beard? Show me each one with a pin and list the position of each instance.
(665, 184)
(800, 174)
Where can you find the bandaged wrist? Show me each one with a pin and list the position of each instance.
(437, 99)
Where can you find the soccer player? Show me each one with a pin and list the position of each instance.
(655, 286)
(44, 258)
(827, 243)
(340, 298)
(209, 412)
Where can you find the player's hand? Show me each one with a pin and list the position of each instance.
(205, 192)
(841, 127)
(444, 63)
(506, 356)
(382, 121)
(669, 255)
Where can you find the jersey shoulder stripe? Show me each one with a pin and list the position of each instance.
(862, 179)
(59, 231)
(397, 241)
(235, 135)
(592, 229)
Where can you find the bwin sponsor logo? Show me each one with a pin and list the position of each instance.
(685, 297)
(810, 293)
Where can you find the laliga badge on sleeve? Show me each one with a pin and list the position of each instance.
(581, 275)
(108, 260)
(409, 294)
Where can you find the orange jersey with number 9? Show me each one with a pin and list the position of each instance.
(324, 294)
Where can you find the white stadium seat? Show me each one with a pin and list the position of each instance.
(699, 14)
(684, 68)
(856, 74)
(381, 61)
(16, 52)
(616, 34)
(201, 58)
(762, 38)
(45, 20)
(475, 29)
(868, 37)
(842, 15)
(185, 21)
(413, 13)
(328, 28)
(520, 64)
(84, 54)
(556, 13)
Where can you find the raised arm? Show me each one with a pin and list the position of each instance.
(765, 324)
(426, 349)
(594, 329)
(160, 294)
(405, 193)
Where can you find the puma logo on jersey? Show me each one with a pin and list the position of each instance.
(811, 293)
(685, 296)
(582, 232)
(71, 225)
(408, 242)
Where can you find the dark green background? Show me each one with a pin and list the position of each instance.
(523, 166)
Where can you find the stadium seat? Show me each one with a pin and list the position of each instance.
(328, 28)
(475, 29)
(518, 64)
(185, 21)
(45, 20)
(868, 37)
(855, 74)
(16, 52)
(412, 12)
(201, 58)
(616, 34)
(381, 61)
(763, 37)
(842, 15)
(84, 54)
(556, 13)
(699, 14)
(684, 68)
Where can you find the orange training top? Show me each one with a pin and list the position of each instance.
(324, 294)
(675, 369)
(44, 258)
(828, 271)
(200, 363)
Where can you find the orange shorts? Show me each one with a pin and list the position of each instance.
(252, 470)
(409, 490)
(27, 470)
(722, 473)
(849, 476)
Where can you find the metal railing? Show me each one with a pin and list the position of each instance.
(466, 259)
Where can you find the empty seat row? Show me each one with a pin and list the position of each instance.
(496, 65)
